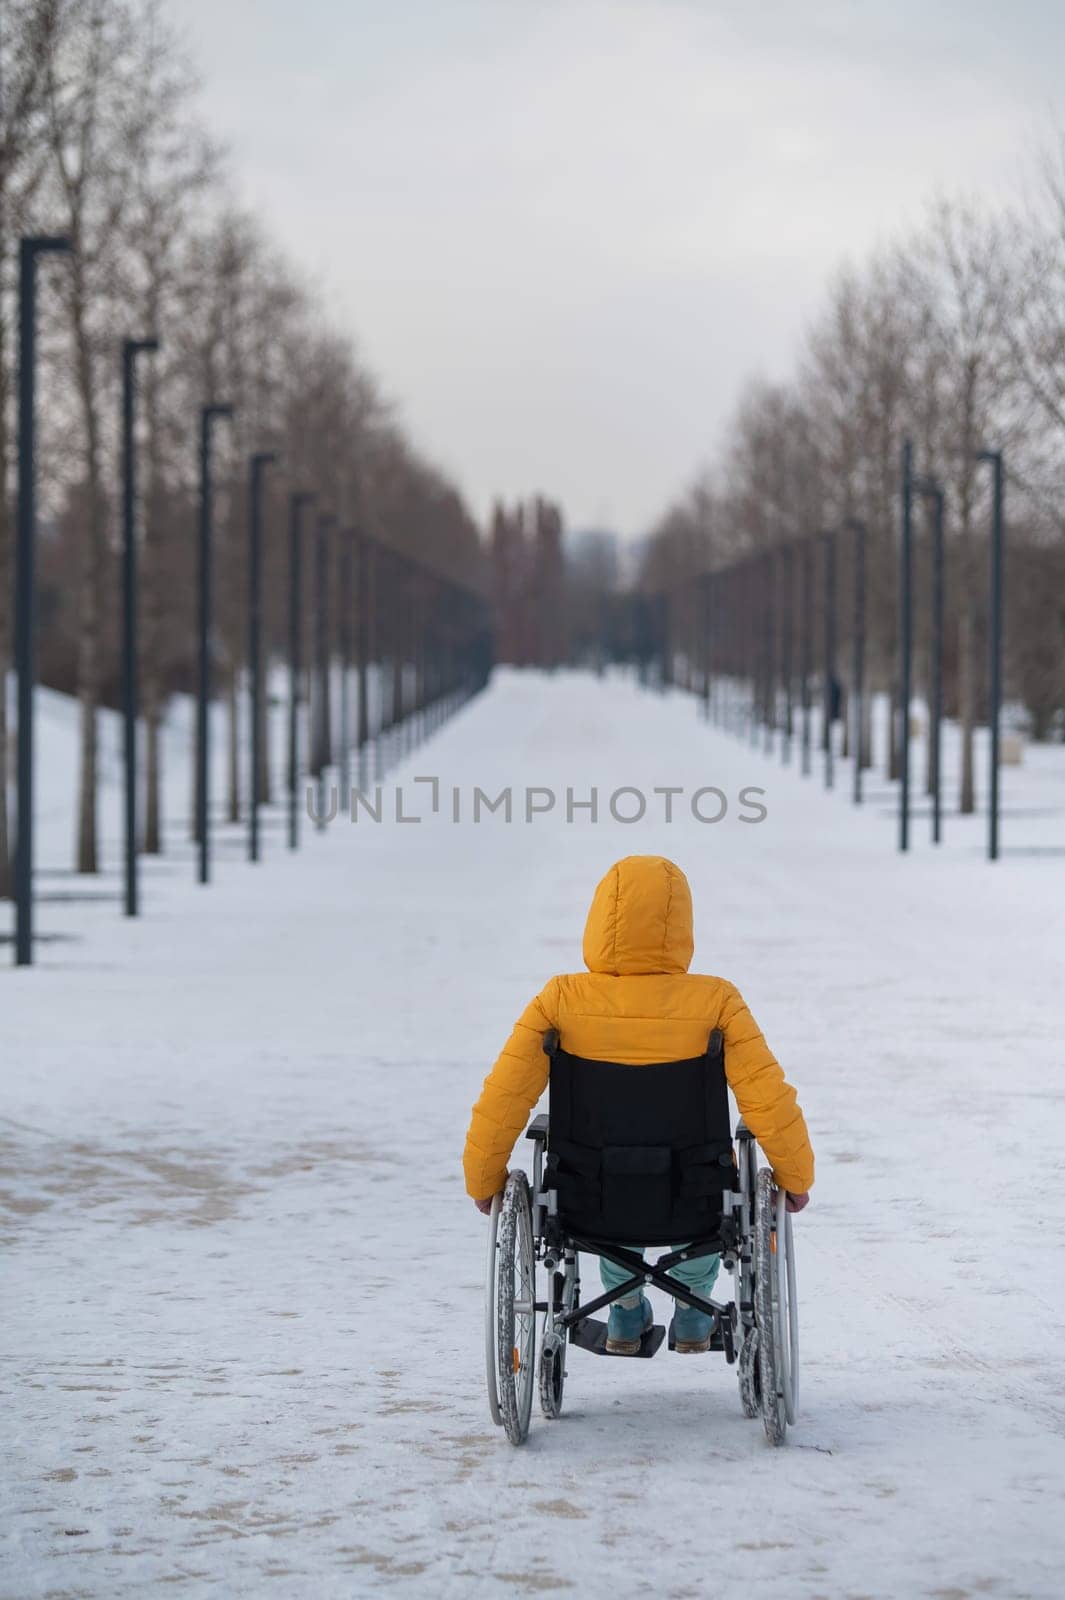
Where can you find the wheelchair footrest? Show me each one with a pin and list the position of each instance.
(716, 1340)
(591, 1335)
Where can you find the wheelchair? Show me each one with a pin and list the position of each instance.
(638, 1154)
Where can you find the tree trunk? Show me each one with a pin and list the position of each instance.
(194, 769)
(92, 577)
(867, 731)
(153, 832)
(86, 844)
(5, 614)
(929, 751)
(824, 705)
(327, 714)
(153, 810)
(265, 791)
(5, 588)
(925, 690)
(89, 680)
(894, 730)
(5, 851)
(233, 729)
(967, 708)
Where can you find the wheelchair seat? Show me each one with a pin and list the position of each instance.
(639, 1153)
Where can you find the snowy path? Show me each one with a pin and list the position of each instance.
(241, 1285)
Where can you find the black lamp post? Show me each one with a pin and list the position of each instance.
(806, 649)
(858, 528)
(346, 601)
(297, 503)
(208, 415)
(769, 601)
(706, 591)
(932, 491)
(26, 583)
(323, 743)
(715, 663)
(787, 627)
(998, 533)
(131, 349)
(363, 651)
(937, 667)
(828, 540)
(756, 642)
(905, 642)
(734, 709)
(257, 466)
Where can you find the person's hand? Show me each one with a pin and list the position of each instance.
(484, 1206)
(796, 1202)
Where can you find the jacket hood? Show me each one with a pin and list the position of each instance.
(641, 919)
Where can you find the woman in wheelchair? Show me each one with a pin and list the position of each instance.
(638, 1005)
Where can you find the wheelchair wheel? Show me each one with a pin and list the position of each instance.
(562, 1293)
(552, 1375)
(769, 1378)
(750, 1396)
(515, 1309)
(787, 1312)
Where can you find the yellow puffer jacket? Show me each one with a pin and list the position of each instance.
(637, 1004)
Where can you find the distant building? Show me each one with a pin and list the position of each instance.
(528, 584)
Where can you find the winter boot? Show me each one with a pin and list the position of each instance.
(691, 1330)
(626, 1327)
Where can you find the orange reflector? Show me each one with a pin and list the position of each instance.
(772, 1244)
(516, 1358)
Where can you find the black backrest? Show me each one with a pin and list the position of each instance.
(639, 1155)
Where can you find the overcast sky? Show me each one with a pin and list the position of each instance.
(565, 232)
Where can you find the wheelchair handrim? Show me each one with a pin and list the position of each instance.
(491, 1375)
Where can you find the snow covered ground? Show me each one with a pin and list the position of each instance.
(241, 1285)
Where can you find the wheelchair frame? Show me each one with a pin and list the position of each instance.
(757, 1330)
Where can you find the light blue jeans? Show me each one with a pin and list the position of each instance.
(698, 1275)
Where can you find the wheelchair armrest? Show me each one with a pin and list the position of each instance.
(538, 1127)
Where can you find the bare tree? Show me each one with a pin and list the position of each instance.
(917, 342)
(173, 168)
(29, 31)
(99, 140)
(87, 89)
(957, 277)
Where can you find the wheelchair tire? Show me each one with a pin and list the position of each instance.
(515, 1298)
(750, 1396)
(770, 1386)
